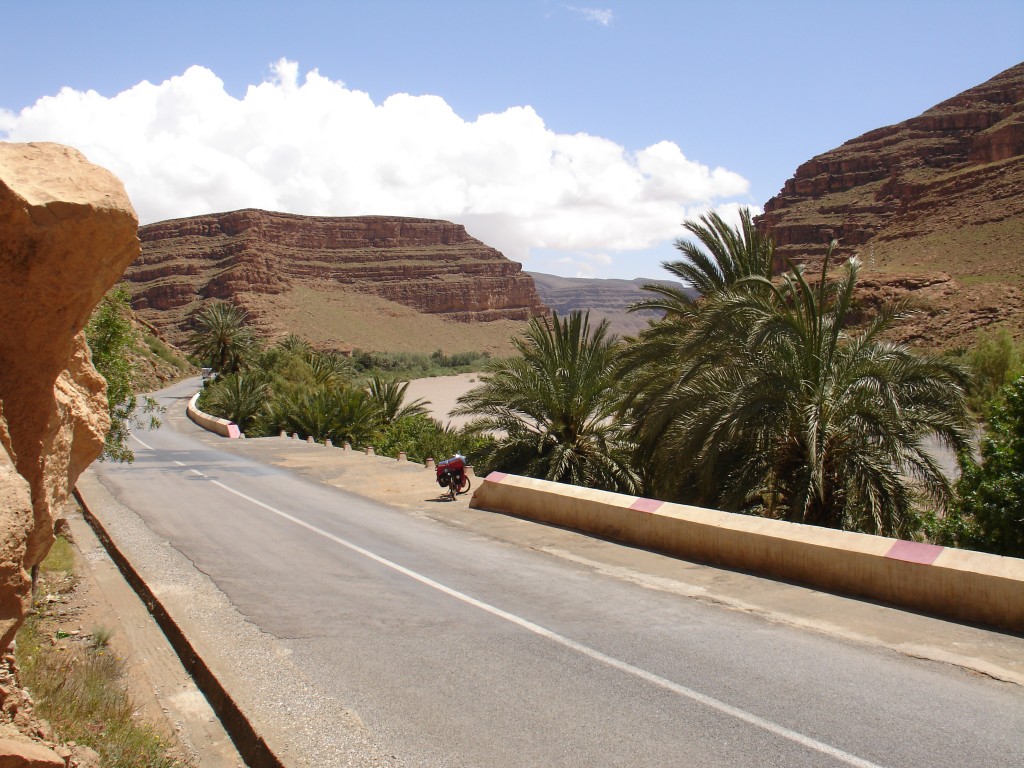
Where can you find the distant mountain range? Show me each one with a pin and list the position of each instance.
(933, 207)
(605, 299)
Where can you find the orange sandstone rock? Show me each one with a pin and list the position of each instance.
(67, 233)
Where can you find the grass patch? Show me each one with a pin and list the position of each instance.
(61, 559)
(164, 352)
(81, 690)
(101, 636)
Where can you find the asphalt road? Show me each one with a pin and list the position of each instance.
(459, 650)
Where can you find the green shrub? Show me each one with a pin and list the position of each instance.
(110, 336)
(164, 352)
(416, 365)
(994, 361)
(991, 494)
(422, 438)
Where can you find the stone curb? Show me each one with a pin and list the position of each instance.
(943, 581)
(222, 427)
(250, 745)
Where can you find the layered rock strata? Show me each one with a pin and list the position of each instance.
(433, 266)
(968, 149)
(939, 193)
(67, 232)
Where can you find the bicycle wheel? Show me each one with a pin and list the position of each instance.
(464, 488)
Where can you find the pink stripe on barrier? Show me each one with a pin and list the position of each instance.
(914, 552)
(496, 477)
(646, 505)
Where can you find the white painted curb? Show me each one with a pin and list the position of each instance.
(222, 427)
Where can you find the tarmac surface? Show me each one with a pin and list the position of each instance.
(277, 687)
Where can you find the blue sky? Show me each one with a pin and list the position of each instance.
(575, 137)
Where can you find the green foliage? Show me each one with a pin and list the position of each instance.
(339, 414)
(60, 559)
(82, 695)
(389, 397)
(221, 338)
(295, 344)
(991, 506)
(994, 361)
(551, 409)
(721, 259)
(294, 388)
(111, 338)
(329, 367)
(760, 399)
(412, 365)
(239, 397)
(422, 438)
(164, 352)
(101, 636)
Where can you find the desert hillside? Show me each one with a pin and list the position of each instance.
(370, 282)
(934, 208)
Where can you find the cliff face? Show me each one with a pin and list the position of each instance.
(432, 266)
(68, 231)
(938, 196)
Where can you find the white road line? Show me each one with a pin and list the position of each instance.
(147, 447)
(611, 661)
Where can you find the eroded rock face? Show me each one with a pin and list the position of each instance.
(942, 192)
(67, 232)
(433, 266)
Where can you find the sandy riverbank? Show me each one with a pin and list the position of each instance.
(443, 392)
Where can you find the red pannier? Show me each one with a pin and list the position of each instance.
(455, 464)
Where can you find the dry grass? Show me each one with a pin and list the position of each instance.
(347, 320)
(80, 690)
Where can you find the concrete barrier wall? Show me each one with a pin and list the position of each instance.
(222, 427)
(964, 585)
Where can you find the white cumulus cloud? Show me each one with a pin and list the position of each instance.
(311, 145)
(602, 16)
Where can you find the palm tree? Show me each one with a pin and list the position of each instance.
(294, 344)
(766, 401)
(390, 399)
(240, 397)
(329, 367)
(221, 338)
(356, 416)
(329, 413)
(729, 255)
(552, 408)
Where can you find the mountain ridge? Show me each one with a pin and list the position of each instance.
(276, 264)
(932, 206)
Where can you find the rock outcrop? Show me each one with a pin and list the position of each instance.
(68, 232)
(432, 266)
(939, 193)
